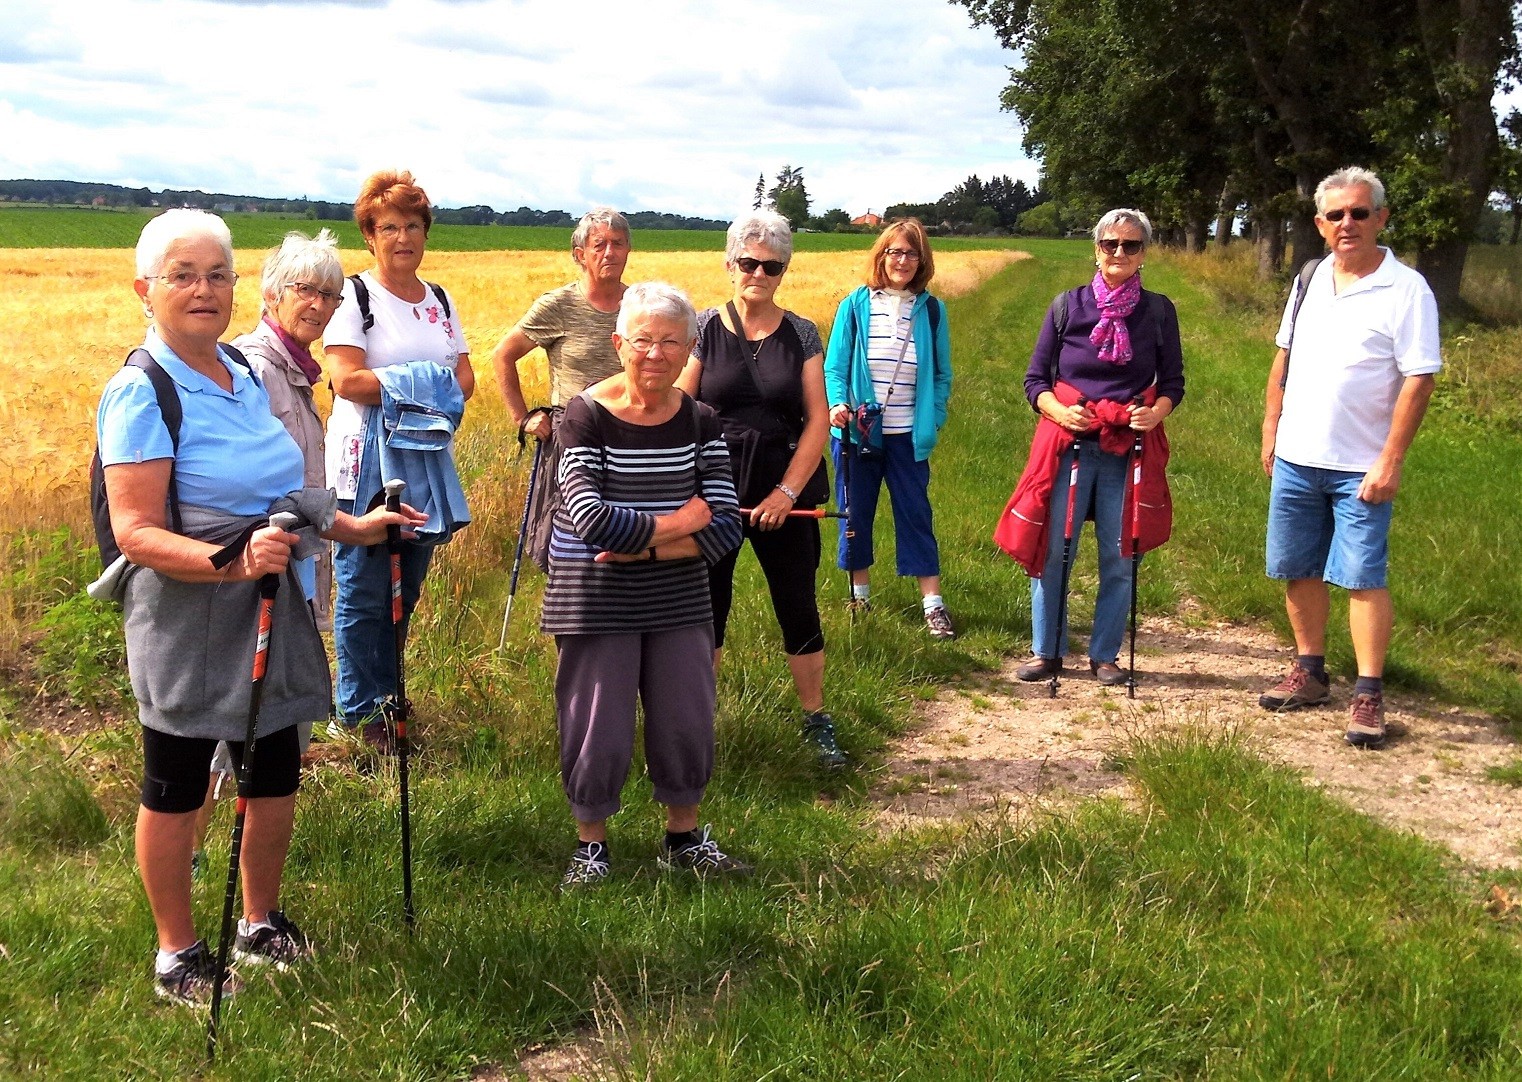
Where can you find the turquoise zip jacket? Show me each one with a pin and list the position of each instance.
(847, 379)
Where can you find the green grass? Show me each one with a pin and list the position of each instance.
(1237, 926)
(26, 226)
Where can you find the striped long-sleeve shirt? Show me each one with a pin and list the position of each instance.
(615, 478)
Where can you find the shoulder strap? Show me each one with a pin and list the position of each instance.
(173, 414)
(935, 316)
(235, 355)
(438, 291)
(1307, 270)
(1058, 311)
(362, 297)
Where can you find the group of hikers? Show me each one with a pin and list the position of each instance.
(246, 526)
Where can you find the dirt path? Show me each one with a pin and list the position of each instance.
(993, 743)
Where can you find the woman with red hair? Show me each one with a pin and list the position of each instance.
(389, 316)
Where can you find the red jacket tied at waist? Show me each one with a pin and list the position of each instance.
(1022, 531)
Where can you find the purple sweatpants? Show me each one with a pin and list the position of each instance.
(597, 680)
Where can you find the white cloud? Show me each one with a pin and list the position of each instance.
(670, 105)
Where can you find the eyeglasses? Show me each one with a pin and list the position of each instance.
(1109, 246)
(669, 347)
(391, 230)
(188, 279)
(1358, 214)
(308, 292)
(772, 267)
(908, 255)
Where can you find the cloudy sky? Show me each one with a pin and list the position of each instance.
(648, 105)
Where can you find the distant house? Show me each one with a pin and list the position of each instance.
(869, 220)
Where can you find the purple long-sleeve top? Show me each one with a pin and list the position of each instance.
(1156, 353)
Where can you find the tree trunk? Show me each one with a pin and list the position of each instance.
(1196, 233)
(1268, 240)
(1516, 222)
(1466, 41)
(1305, 242)
(1225, 217)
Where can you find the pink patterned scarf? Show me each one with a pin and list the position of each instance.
(1110, 333)
(301, 354)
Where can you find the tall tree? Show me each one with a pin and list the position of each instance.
(790, 197)
(760, 200)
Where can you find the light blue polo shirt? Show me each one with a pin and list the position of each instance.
(235, 455)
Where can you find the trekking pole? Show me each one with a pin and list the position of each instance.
(398, 707)
(809, 512)
(1136, 474)
(268, 586)
(528, 503)
(1067, 565)
(845, 500)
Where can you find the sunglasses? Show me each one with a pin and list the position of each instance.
(1109, 246)
(1358, 214)
(772, 267)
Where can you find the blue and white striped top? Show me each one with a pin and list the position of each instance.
(889, 334)
(615, 478)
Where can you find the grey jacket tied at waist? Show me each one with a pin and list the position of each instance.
(190, 646)
(410, 436)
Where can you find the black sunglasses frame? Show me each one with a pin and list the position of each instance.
(1109, 246)
(772, 267)
(1358, 214)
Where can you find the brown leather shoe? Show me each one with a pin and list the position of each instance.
(1108, 673)
(1039, 668)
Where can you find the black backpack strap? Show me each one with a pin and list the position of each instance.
(438, 291)
(235, 355)
(1307, 270)
(174, 415)
(1057, 312)
(362, 298)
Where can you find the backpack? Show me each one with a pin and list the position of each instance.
(173, 414)
(362, 295)
(1304, 278)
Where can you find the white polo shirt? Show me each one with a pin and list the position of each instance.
(1352, 352)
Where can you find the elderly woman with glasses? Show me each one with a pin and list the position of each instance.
(888, 377)
(389, 316)
(1107, 368)
(189, 507)
(302, 286)
(647, 507)
(761, 368)
(574, 326)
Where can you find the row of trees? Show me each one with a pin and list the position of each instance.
(976, 206)
(973, 206)
(1196, 110)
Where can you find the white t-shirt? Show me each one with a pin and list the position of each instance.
(890, 334)
(402, 332)
(1352, 352)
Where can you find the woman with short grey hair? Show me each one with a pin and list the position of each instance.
(1107, 368)
(761, 368)
(648, 506)
(302, 287)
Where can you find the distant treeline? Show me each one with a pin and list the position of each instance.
(87, 194)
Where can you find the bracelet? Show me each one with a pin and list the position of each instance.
(652, 553)
(789, 493)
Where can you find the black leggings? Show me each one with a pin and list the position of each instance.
(177, 769)
(789, 557)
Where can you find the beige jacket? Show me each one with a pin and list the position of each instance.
(291, 400)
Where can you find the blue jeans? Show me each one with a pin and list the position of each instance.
(908, 491)
(363, 636)
(1100, 494)
(1318, 528)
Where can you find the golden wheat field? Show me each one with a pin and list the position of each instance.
(72, 318)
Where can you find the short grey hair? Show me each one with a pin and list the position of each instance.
(606, 217)
(1347, 177)
(173, 226)
(766, 228)
(301, 258)
(659, 299)
(1124, 216)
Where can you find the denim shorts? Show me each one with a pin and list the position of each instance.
(1318, 528)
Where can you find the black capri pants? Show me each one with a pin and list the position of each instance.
(789, 558)
(177, 769)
